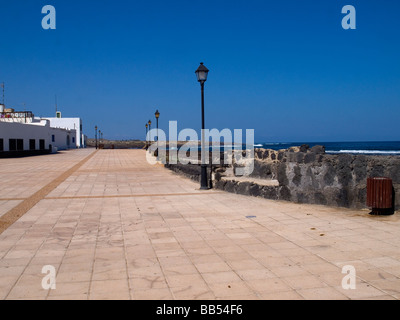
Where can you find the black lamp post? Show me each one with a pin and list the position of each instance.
(157, 114)
(95, 128)
(149, 132)
(202, 73)
(99, 139)
(147, 125)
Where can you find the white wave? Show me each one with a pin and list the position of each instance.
(364, 152)
(259, 145)
(275, 144)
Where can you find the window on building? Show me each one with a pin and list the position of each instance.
(1, 145)
(73, 139)
(32, 144)
(12, 144)
(42, 144)
(53, 138)
(68, 140)
(20, 145)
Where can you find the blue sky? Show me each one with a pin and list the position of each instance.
(284, 68)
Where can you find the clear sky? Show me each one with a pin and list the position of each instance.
(284, 68)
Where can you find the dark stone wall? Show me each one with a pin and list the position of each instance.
(309, 176)
(190, 171)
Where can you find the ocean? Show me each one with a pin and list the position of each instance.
(367, 148)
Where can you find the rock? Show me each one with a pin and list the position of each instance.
(220, 184)
(377, 171)
(243, 188)
(360, 168)
(309, 158)
(294, 149)
(394, 173)
(255, 190)
(318, 150)
(304, 148)
(330, 174)
(297, 175)
(282, 177)
(302, 198)
(344, 176)
(319, 198)
(230, 186)
(343, 198)
(300, 157)
(270, 193)
(285, 194)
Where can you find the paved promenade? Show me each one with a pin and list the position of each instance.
(115, 227)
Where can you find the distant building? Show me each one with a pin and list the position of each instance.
(69, 124)
(21, 133)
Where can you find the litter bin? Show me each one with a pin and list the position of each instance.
(380, 195)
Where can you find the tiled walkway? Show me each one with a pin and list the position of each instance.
(118, 228)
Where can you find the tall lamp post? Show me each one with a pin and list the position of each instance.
(157, 114)
(147, 125)
(95, 128)
(202, 73)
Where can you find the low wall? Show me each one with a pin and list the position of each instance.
(308, 175)
(190, 171)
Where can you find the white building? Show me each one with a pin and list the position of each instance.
(23, 134)
(69, 124)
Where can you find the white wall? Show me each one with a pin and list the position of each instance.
(70, 124)
(61, 138)
(38, 130)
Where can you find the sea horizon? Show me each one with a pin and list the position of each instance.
(341, 147)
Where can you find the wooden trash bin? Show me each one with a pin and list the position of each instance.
(380, 195)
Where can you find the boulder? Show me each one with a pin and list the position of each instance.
(318, 150)
(304, 148)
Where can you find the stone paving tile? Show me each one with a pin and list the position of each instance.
(324, 293)
(198, 291)
(118, 228)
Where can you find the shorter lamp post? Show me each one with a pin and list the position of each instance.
(157, 114)
(95, 128)
(146, 145)
(149, 132)
(99, 139)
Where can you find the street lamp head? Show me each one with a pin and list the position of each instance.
(202, 73)
(149, 122)
(157, 114)
(147, 125)
(95, 128)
